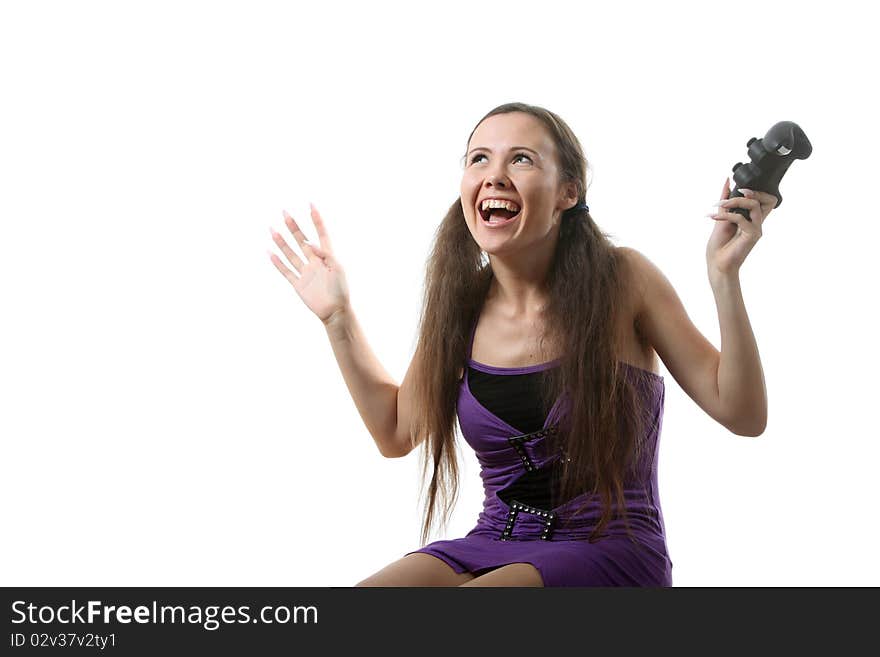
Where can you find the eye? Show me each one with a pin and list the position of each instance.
(518, 155)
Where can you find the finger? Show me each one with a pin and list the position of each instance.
(762, 208)
(735, 202)
(763, 197)
(741, 202)
(746, 226)
(289, 275)
(289, 253)
(314, 248)
(767, 201)
(323, 236)
(294, 228)
(725, 191)
(729, 217)
(756, 210)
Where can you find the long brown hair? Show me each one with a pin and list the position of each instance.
(587, 283)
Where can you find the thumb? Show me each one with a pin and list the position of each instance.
(725, 191)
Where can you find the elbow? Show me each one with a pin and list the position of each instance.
(760, 426)
(751, 429)
(388, 452)
(750, 423)
(392, 450)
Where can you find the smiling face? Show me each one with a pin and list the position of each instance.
(512, 156)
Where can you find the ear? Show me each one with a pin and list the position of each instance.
(569, 195)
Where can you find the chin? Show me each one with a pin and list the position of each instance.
(494, 250)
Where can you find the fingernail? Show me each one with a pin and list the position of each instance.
(746, 191)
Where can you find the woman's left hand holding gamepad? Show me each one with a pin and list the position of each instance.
(734, 236)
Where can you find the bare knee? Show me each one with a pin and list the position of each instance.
(514, 574)
(417, 569)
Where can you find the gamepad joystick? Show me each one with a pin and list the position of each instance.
(770, 159)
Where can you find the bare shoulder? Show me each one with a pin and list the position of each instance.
(635, 271)
(664, 325)
(636, 347)
(642, 275)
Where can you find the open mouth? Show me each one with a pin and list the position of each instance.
(495, 217)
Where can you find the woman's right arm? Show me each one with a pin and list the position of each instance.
(384, 406)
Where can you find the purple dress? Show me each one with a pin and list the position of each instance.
(520, 532)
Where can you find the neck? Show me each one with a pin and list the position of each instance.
(515, 295)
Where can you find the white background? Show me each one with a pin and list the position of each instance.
(172, 413)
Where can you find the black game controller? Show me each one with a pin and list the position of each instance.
(771, 157)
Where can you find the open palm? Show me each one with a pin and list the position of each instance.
(321, 282)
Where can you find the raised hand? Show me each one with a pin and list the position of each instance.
(734, 236)
(321, 282)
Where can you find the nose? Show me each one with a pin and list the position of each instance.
(497, 180)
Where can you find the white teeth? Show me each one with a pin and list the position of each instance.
(495, 203)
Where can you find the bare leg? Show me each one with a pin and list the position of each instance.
(417, 569)
(514, 574)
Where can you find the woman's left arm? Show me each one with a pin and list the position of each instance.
(741, 385)
(741, 388)
(728, 386)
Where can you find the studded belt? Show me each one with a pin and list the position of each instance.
(517, 443)
(516, 507)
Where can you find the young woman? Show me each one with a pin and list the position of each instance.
(541, 338)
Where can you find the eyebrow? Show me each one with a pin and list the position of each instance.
(512, 148)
